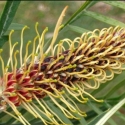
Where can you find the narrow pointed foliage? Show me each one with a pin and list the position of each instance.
(90, 60)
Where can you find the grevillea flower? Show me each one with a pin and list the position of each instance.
(90, 60)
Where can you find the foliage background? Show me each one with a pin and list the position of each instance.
(47, 13)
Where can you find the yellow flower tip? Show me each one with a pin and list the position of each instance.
(62, 91)
(85, 70)
(102, 100)
(36, 38)
(62, 57)
(74, 49)
(46, 29)
(66, 6)
(45, 54)
(39, 88)
(85, 115)
(86, 99)
(11, 32)
(54, 80)
(36, 54)
(26, 71)
(61, 26)
(7, 67)
(51, 116)
(92, 57)
(30, 100)
(16, 43)
(29, 42)
(76, 111)
(17, 51)
(78, 118)
(13, 94)
(76, 89)
(70, 66)
(1, 50)
(37, 23)
(74, 65)
(19, 114)
(26, 27)
(93, 77)
(60, 41)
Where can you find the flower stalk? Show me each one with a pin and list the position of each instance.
(90, 60)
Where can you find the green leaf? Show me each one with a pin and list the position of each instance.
(77, 29)
(114, 89)
(16, 26)
(104, 19)
(3, 39)
(59, 113)
(122, 116)
(83, 7)
(118, 4)
(92, 113)
(94, 121)
(81, 120)
(103, 120)
(8, 15)
(94, 107)
(100, 112)
(91, 4)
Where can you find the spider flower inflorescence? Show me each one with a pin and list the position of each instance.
(90, 60)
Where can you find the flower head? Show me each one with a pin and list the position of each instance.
(97, 56)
